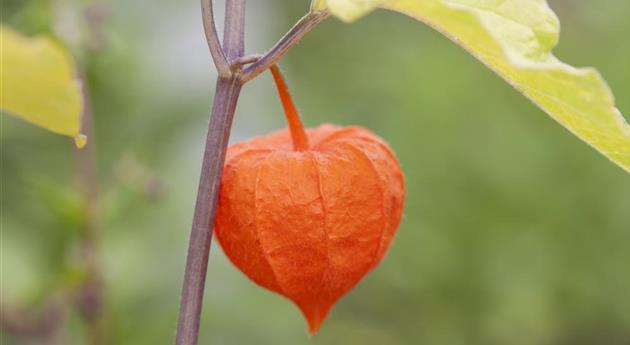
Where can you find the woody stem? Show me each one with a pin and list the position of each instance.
(226, 96)
(298, 135)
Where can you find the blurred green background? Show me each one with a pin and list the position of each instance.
(514, 233)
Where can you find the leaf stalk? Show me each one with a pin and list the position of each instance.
(290, 39)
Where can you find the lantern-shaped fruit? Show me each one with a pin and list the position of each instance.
(307, 214)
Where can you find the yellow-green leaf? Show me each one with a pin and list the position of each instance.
(346, 10)
(515, 38)
(38, 84)
(318, 5)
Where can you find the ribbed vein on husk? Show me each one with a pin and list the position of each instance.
(256, 230)
(381, 189)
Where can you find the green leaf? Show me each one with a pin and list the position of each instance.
(318, 5)
(38, 84)
(346, 10)
(515, 38)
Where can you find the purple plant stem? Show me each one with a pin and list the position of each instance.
(220, 61)
(226, 96)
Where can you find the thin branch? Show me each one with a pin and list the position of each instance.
(246, 60)
(226, 96)
(234, 30)
(90, 296)
(220, 61)
(291, 38)
(44, 325)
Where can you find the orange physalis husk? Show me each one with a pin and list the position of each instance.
(308, 214)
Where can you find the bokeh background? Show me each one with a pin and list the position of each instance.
(514, 233)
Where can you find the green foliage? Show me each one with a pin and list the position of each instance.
(347, 10)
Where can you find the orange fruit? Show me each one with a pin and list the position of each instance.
(307, 214)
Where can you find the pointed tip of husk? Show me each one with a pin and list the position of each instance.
(315, 316)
